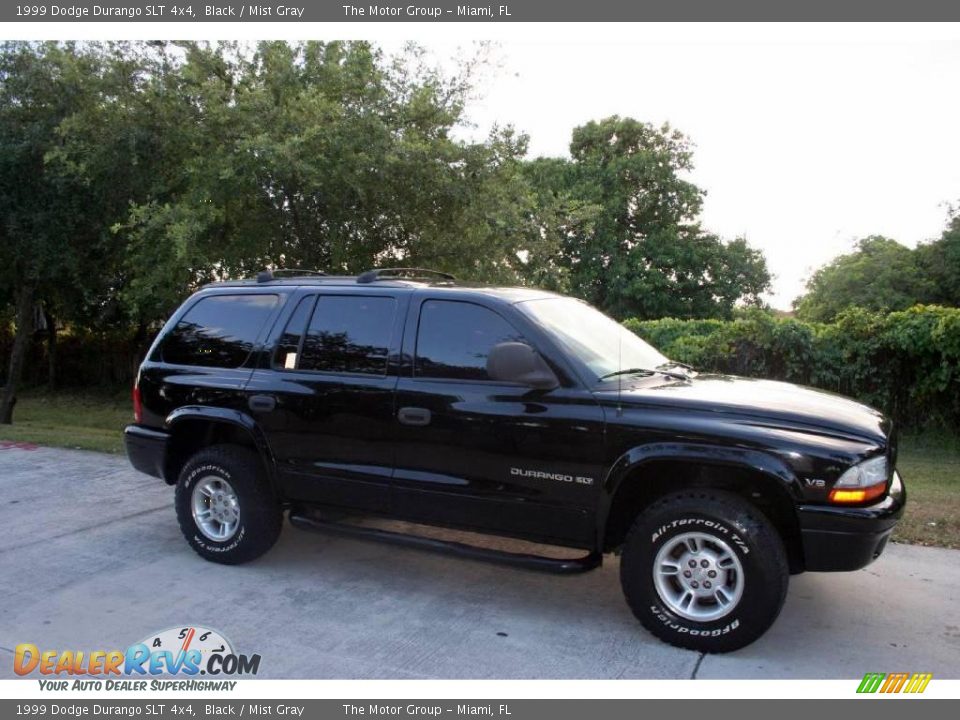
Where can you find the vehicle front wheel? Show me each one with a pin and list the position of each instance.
(226, 507)
(704, 570)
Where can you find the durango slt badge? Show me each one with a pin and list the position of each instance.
(559, 477)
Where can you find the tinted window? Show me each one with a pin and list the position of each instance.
(454, 339)
(218, 331)
(349, 333)
(285, 355)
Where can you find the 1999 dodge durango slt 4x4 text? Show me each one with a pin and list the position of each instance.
(508, 411)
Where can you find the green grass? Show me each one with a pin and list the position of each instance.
(930, 466)
(88, 421)
(929, 463)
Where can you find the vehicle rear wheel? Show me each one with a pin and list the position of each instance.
(704, 570)
(226, 507)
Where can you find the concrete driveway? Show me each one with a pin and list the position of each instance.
(91, 558)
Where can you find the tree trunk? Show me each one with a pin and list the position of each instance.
(51, 349)
(18, 353)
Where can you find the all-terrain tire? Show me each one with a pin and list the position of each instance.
(260, 512)
(712, 519)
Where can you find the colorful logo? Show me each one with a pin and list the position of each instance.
(191, 650)
(894, 682)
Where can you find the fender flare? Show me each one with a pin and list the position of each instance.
(758, 461)
(235, 418)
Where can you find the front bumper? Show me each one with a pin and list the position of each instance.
(146, 449)
(847, 538)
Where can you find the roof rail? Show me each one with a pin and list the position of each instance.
(388, 273)
(268, 275)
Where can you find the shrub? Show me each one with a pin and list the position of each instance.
(906, 363)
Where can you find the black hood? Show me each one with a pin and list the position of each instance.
(779, 402)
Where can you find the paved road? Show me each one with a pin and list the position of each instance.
(91, 558)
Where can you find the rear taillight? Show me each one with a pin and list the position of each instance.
(137, 405)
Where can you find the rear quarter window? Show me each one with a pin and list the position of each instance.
(218, 331)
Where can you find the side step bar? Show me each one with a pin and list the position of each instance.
(530, 562)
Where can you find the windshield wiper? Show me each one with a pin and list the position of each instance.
(674, 363)
(666, 367)
(646, 371)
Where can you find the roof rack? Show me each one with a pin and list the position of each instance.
(412, 272)
(268, 275)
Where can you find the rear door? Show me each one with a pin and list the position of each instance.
(332, 378)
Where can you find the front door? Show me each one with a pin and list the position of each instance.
(486, 455)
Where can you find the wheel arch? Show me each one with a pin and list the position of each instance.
(193, 428)
(644, 474)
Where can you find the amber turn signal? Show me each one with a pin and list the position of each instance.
(853, 496)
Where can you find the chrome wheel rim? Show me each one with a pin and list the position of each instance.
(215, 508)
(698, 576)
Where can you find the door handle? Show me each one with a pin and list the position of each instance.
(262, 403)
(414, 416)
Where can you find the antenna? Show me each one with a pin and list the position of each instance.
(620, 367)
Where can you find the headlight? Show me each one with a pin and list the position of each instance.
(862, 482)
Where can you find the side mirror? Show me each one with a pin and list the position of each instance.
(519, 363)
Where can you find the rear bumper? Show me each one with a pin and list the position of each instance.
(840, 538)
(146, 449)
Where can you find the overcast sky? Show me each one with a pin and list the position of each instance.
(802, 145)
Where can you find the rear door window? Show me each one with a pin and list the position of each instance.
(349, 334)
(218, 331)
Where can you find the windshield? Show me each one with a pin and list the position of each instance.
(602, 344)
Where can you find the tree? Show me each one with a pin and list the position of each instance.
(135, 172)
(51, 224)
(322, 156)
(76, 153)
(940, 263)
(880, 275)
(631, 241)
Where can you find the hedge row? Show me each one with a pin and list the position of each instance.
(906, 363)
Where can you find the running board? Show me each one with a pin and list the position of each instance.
(561, 566)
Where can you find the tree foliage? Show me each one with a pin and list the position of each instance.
(628, 224)
(53, 221)
(322, 155)
(55, 216)
(880, 274)
(940, 262)
(883, 275)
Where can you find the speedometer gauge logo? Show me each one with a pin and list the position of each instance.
(201, 642)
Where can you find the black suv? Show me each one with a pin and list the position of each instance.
(507, 411)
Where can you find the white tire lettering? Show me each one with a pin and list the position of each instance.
(694, 632)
